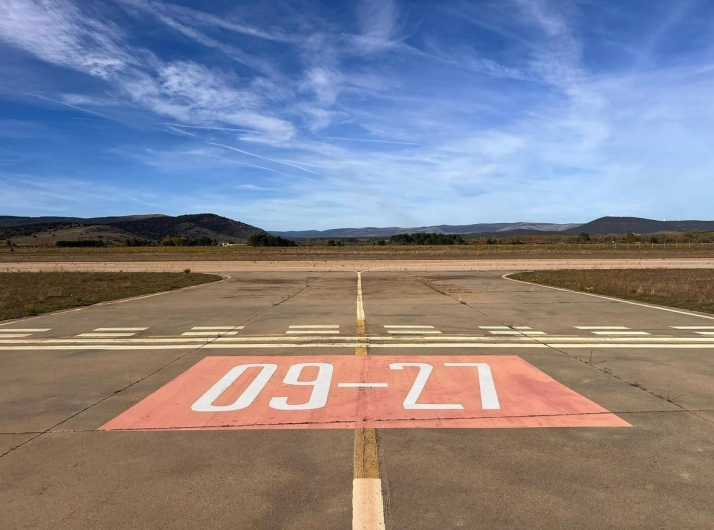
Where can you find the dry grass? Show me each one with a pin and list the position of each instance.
(683, 288)
(31, 293)
(347, 252)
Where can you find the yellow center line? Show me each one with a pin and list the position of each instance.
(367, 503)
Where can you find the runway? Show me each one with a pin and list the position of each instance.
(412, 399)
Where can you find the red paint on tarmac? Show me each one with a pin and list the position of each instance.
(422, 392)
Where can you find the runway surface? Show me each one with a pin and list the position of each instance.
(392, 399)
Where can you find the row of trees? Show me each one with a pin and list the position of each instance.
(266, 240)
(174, 241)
(427, 239)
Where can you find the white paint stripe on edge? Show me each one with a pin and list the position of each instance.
(367, 504)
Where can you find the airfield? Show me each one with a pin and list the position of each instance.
(414, 395)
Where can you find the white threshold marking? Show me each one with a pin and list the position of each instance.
(216, 328)
(522, 327)
(315, 326)
(414, 332)
(121, 329)
(705, 333)
(600, 327)
(312, 331)
(367, 504)
(106, 335)
(494, 327)
(408, 327)
(362, 385)
(208, 333)
(30, 330)
(674, 327)
(621, 333)
(15, 335)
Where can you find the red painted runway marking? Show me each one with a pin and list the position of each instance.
(270, 392)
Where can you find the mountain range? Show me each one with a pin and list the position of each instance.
(153, 228)
(603, 225)
(116, 230)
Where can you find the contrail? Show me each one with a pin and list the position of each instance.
(72, 106)
(264, 158)
(366, 140)
(209, 128)
(178, 132)
(253, 165)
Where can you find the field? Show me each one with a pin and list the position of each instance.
(325, 253)
(683, 288)
(31, 293)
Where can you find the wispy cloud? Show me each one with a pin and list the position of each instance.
(420, 113)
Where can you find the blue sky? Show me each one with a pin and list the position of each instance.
(311, 115)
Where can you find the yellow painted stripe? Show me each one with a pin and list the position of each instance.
(367, 503)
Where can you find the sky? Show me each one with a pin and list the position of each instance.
(293, 115)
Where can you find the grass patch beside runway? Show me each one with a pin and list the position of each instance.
(691, 289)
(31, 293)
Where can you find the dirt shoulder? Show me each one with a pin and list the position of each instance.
(691, 289)
(31, 293)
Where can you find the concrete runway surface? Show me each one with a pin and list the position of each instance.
(392, 399)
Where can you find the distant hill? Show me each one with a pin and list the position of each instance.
(481, 228)
(9, 220)
(638, 225)
(114, 230)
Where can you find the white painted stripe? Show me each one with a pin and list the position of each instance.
(538, 333)
(352, 345)
(510, 332)
(705, 333)
(312, 332)
(687, 327)
(414, 332)
(408, 327)
(106, 335)
(15, 335)
(24, 330)
(367, 504)
(600, 327)
(522, 327)
(216, 328)
(494, 327)
(362, 385)
(316, 326)
(620, 333)
(208, 333)
(121, 329)
(517, 339)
